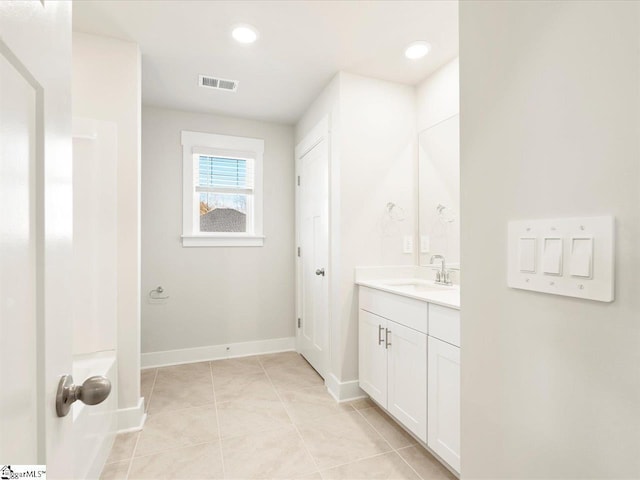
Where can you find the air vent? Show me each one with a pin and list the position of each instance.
(217, 83)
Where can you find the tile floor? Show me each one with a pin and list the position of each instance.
(261, 417)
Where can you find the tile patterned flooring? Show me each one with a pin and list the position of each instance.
(262, 417)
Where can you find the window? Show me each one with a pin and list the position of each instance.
(224, 187)
(222, 190)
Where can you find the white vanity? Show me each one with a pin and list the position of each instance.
(409, 358)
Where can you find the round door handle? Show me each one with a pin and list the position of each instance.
(320, 271)
(93, 391)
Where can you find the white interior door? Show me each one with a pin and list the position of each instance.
(18, 274)
(313, 237)
(35, 233)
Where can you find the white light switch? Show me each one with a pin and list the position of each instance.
(581, 257)
(527, 255)
(552, 256)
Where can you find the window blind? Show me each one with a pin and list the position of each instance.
(218, 174)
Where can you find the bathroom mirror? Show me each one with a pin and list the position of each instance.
(439, 192)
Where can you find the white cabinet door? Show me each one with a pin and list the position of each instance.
(372, 356)
(444, 401)
(407, 383)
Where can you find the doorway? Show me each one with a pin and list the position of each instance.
(312, 235)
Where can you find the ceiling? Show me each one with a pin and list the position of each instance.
(302, 45)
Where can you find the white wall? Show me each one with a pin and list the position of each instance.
(438, 101)
(326, 103)
(106, 86)
(550, 96)
(438, 96)
(373, 127)
(378, 165)
(218, 295)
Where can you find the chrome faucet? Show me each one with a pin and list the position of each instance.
(442, 276)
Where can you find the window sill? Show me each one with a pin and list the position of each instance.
(223, 240)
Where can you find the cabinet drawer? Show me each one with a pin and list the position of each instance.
(444, 323)
(405, 311)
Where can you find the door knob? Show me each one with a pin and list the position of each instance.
(93, 391)
(320, 271)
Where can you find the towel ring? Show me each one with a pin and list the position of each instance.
(156, 294)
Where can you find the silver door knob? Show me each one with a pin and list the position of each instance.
(93, 391)
(320, 271)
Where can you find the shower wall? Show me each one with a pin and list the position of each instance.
(95, 150)
(106, 86)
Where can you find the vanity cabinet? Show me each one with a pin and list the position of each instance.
(393, 359)
(409, 355)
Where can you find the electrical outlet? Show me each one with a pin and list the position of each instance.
(407, 244)
(425, 244)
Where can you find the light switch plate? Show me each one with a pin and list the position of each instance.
(407, 244)
(573, 257)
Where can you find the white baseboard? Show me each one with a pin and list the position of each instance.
(132, 419)
(343, 391)
(217, 352)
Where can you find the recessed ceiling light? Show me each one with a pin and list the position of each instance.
(417, 50)
(244, 33)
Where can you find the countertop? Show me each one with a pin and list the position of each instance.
(447, 296)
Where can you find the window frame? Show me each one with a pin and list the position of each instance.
(195, 144)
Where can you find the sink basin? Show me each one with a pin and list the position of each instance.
(416, 285)
(417, 288)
